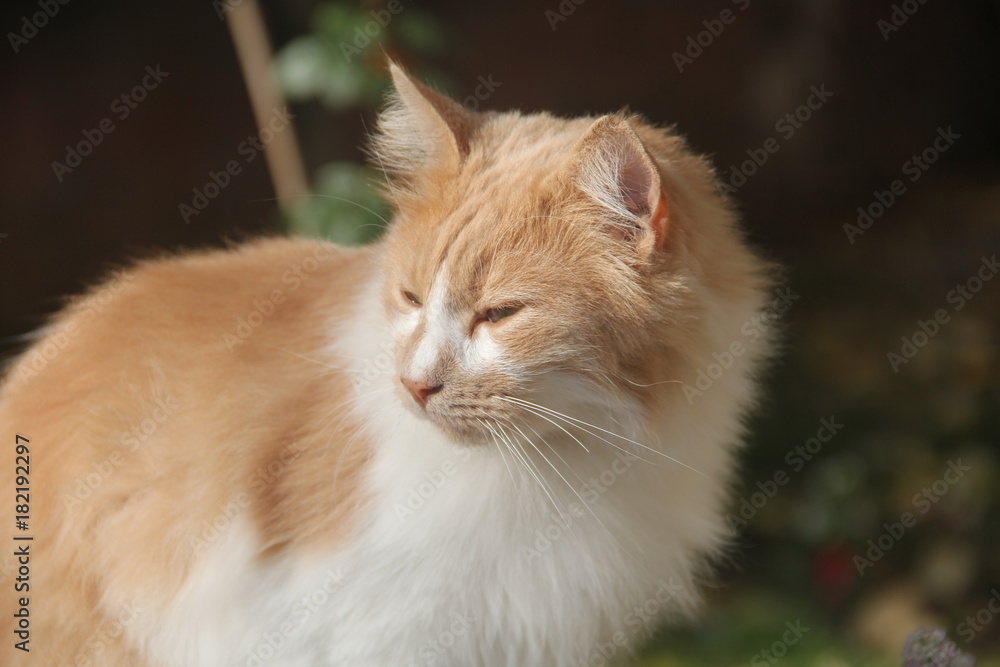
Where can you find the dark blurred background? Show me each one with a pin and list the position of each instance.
(870, 86)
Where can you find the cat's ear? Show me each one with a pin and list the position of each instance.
(420, 126)
(613, 167)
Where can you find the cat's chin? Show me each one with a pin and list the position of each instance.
(460, 431)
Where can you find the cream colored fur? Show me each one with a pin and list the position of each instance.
(227, 469)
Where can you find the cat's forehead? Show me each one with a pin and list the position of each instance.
(523, 146)
(522, 254)
(474, 236)
(506, 214)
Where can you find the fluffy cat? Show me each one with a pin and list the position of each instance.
(474, 442)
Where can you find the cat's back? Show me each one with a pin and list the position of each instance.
(134, 407)
(187, 317)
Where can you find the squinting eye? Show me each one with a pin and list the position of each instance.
(496, 314)
(412, 298)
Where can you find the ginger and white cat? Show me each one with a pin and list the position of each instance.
(466, 444)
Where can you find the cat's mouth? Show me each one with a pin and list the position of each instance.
(480, 421)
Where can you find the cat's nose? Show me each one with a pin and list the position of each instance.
(421, 391)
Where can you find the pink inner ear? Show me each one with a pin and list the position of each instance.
(636, 183)
(640, 187)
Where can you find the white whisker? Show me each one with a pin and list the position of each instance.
(499, 449)
(583, 424)
(533, 471)
(539, 413)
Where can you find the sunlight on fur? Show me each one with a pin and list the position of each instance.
(222, 475)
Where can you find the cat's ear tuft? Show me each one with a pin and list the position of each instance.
(420, 126)
(614, 168)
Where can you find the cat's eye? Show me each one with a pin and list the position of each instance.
(412, 298)
(494, 315)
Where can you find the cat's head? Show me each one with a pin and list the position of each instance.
(535, 262)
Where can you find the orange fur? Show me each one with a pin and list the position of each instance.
(197, 389)
(251, 420)
(549, 245)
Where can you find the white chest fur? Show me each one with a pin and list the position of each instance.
(459, 564)
(478, 563)
(466, 558)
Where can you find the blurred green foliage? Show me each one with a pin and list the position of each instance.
(340, 63)
(345, 206)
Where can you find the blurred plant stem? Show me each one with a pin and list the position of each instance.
(253, 49)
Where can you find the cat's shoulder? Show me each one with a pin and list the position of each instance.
(222, 277)
(208, 300)
(250, 262)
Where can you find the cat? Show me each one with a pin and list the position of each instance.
(482, 440)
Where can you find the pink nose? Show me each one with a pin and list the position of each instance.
(421, 391)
